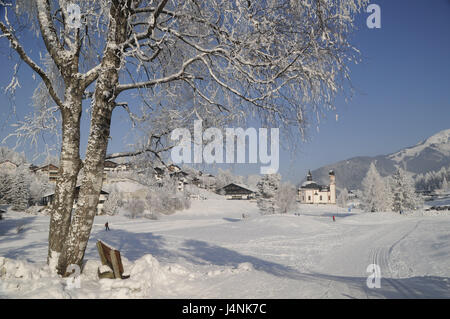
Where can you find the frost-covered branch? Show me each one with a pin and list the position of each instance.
(49, 35)
(180, 75)
(90, 76)
(139, 152)
(22, 54)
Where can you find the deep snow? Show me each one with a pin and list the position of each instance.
(209, 251)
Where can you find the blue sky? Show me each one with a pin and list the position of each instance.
(402, 91)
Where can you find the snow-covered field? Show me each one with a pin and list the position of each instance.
(209, 251)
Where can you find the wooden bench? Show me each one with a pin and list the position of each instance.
(110, 257)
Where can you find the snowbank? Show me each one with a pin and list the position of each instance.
(148, 278)
(21, 279)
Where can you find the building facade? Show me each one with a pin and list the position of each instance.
(49, 170)
(313, 193)
(235, 191)
(47, 200)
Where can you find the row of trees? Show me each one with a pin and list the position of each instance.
(434, 180)
(160, 197)
(393, 193)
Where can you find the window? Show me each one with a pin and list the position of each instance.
(320, 197)
(329, 197)
(309, 197)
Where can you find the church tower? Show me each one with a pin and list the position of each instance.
(332, 187)
(309, 176)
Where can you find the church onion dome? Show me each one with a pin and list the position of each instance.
(309, 182)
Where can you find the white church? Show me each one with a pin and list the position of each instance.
(312, 193)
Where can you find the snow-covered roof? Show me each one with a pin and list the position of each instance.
(311, 184)
(245, 186)
(49, 193)
(8, 161)
(47, 166)
(239, 185)
(308, 182)
(314, 185)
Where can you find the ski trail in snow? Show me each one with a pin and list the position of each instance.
(380, 256)
(372, 245)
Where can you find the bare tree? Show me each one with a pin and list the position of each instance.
(218, 60)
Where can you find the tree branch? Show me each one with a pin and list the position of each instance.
(91, 75)
(176, 76)
(49, 34)
(131, 154)
(22, 54)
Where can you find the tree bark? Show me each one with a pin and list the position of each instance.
(104, 103)
(69, 169)
(82, 220)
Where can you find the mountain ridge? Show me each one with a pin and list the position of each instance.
(427, 155)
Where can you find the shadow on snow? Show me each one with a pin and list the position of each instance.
(135, 245)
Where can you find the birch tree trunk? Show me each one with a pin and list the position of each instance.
(69, 169)
(104, 103)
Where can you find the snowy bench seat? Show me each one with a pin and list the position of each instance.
(110, 257)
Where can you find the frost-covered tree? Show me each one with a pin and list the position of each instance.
(135, 208)
(113, 203)
(286, 198)
(342, 198)
(19, 193)
(219, 60)
(39, 186)
(375, 195)
(5, 187)
(268, 188)
(445, 186)
(165, 198)
(252, 180)
(404, 195)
